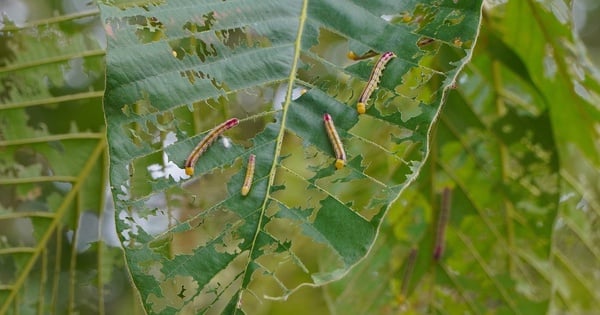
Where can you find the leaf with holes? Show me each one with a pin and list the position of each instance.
(517, 148)
(178, 69)
(52, 162)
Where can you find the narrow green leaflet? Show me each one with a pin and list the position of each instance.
(176, 69)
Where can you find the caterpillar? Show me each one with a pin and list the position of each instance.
(425, 41)
(373, 81)
(458, 42)
(443, 218)
(340, 154)
(351, 55)
(206, 142)
(249, 175)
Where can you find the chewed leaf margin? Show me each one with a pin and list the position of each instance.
(195, 243)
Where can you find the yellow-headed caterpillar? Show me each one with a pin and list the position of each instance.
(351, 55)
(443, 218)
(249, 175)
(340, 154)
(373, 81)
(206, 142)
(458, 42)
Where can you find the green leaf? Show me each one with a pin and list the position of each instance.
(176, 70)
(524, 207)
(52, 158)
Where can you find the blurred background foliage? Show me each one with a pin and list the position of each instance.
(518, 169)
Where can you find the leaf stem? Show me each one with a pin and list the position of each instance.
(26, 214)
(53, 100)
(59, 137)
(37, 179)
(52, 20)
(279, 143)
(52, 60)
(16, 250)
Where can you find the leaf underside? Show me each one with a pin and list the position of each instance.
(176, 69)
(52, 162)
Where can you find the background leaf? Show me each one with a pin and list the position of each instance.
(175, 70)
(512, 243)
(52, 162)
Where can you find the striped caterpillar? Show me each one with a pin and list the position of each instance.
(249, 175)
(373, 81)
(206, 142)
(340, 154)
